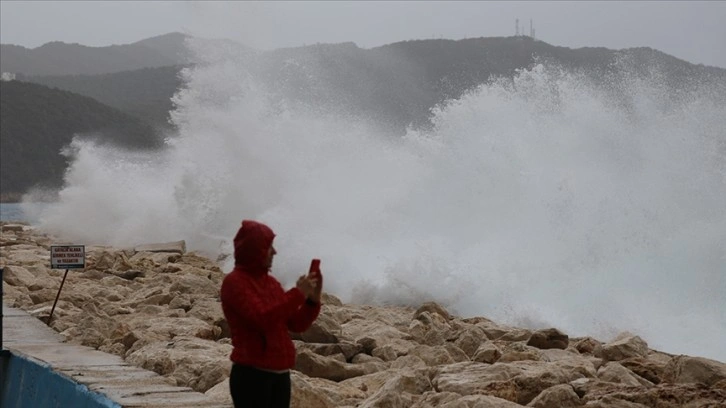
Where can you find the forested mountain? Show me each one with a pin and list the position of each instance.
(144, 93)
(394, 86)
(36, 122)
(400, 83)
(58, 58)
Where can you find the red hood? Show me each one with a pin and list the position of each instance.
(251, 246)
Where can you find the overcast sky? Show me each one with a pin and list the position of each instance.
(690, 30)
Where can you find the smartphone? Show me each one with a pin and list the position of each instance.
(315, 267)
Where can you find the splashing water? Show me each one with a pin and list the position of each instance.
(539, 201)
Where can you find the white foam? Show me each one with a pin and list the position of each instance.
(537, 202)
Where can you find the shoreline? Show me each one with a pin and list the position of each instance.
(354, 355)
(218, 259)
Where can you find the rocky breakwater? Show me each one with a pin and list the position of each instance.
(157, 306)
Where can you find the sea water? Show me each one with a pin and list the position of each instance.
(22, 212)
(11, 212)
(542, 201)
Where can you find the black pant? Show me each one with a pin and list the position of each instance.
(253, 388)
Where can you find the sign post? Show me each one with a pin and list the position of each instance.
(65, 257)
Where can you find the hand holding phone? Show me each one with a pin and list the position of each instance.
(315, 268)
(318, 276)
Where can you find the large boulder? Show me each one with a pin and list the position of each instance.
(169, 327)
(347, 349)
(453, 400)
(492, 330)
(94, 328)
(456, 353)
(371, 333)
(488, 353)
(409, 362)
(208, 311)
(385, 353)
(431, 329)
(192, 362)
(470, 378)
(685, 369)
(437, 399)
(662, 395)
(516, 335)
(615, 372)
(17, 276)
(10, 227)
(625, 346)
(220, 393)
(304, 394)
(29, 257)
(104, 259)
(558, 396)
(517, 382)
(613, 402)
(199, 286)
(470, 340)
(153, 260)
(650, 368)
(370, 383)
(178, 247)
(337, 392)
(432, 356)
(330, 299)
(587, 345)
(324, 329)
(432, 308)
(549, 339)
(398, 390)
(315, 365)
(518, 351)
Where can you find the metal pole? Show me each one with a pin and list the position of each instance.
(56, 297)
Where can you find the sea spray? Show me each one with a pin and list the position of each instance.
(544, 200)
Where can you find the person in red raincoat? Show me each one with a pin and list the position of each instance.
(261, 314)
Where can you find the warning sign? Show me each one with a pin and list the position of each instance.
(67, 256)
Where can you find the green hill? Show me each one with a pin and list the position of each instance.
(144, 93)
(36, 122)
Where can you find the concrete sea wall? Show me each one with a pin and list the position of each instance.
(29, 383)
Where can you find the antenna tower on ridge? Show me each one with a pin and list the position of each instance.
(516, 27)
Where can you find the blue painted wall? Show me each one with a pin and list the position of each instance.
(28, 383)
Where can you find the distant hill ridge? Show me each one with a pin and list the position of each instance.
(395, 85)
(58, 58)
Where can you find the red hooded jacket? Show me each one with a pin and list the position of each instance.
(258, 310)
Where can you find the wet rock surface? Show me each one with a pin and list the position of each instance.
(157, 306)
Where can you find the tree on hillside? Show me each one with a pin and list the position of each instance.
(37, 122)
